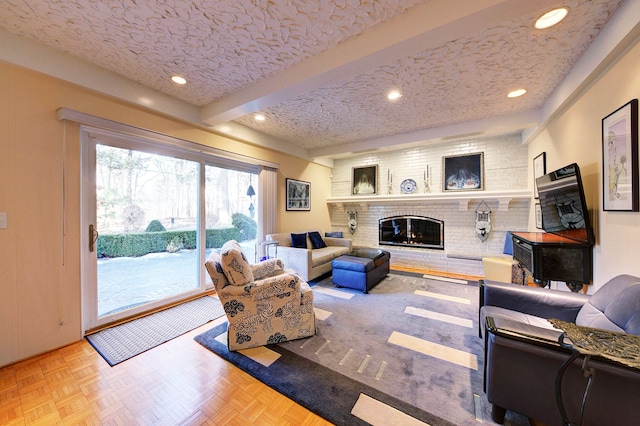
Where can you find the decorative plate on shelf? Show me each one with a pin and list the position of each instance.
(408, 186)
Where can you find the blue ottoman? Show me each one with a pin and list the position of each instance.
(361, 269)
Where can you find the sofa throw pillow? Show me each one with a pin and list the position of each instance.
(316, 240)
(235, 265)
(299, 240)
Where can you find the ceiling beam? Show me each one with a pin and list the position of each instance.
(485, 127)
(425, 27)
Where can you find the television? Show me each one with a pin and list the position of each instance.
(564, 206)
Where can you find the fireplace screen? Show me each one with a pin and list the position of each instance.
(412, 231)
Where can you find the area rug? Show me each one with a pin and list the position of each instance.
(119, 343)
(406, 353)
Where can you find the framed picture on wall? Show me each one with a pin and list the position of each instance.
(539, 169)
(620, 159)
(463, 172)
(298, 195)
(538, 216)
(364, 180)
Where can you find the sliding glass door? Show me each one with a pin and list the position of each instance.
(142, 226)
(146, 207)
(147, 217)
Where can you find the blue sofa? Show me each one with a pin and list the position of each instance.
(524, 354)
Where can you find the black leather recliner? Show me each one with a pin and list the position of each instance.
(523, 355)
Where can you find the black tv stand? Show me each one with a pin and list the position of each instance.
(549, 257)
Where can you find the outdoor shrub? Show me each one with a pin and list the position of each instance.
(247, 226)
(131, 245)
(155, 226)
(139, 244)
(217, 237)
(186, 238)
(175, 245)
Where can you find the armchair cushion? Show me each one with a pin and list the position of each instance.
(214, 268)
(316, 240)
(235, 265)
(502, 314)
(614, 307)
(267, 268)
(536, 301)
(299, 240)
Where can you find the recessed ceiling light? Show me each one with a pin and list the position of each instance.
(178, 80)
(516, 93)
(551, 18)
(259, 117)
(394, 95)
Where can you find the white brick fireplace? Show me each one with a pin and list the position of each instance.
(506, 194)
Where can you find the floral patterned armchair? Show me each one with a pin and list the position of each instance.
(264, 303)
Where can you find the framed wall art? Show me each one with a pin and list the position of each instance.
(463, 172)
(539, 169)
(298, 195)
(364, 180)
(620, 159)
(538, 216)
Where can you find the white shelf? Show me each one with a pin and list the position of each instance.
(461, 197)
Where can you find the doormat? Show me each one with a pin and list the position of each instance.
(119, 343)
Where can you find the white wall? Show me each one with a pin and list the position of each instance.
(505, 168)
(575, 136)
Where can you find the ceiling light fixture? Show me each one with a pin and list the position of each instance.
(551, 18)
(394, 95)
(259, 117)
(178, 80)
(516, 93)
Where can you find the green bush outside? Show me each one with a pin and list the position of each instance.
(155, 226)
(248, 227)
(139, 244)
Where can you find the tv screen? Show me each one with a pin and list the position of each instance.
(563, 205)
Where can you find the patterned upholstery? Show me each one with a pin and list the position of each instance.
(275, 307)
(235, 264)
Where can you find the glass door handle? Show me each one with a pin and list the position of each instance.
(93, 237)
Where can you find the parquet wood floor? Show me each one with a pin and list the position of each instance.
(177, 383)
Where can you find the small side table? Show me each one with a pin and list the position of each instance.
(619, 348)
(264, 246)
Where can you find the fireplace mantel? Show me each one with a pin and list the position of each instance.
(461, 197)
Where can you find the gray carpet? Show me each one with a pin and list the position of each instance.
(119, 343)
(412, 339)
(359, 331)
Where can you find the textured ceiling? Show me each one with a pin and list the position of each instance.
(228, 48)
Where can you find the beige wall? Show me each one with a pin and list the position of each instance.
(575, 136)
(40, 250)
(320, 179)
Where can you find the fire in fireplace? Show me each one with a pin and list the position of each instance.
(411, 231)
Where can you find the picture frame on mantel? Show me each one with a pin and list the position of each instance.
(463, 172)
(539, 170)
(364, 180)
(298, 195)
(620, 159)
